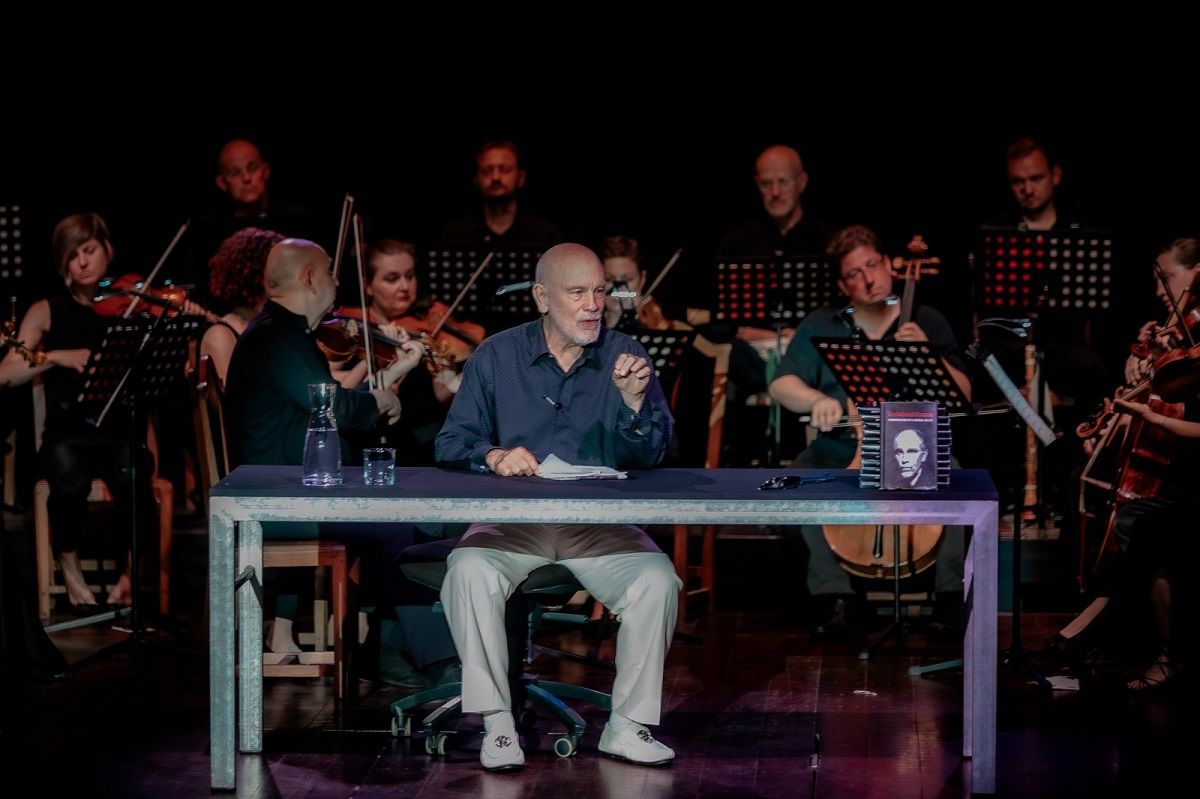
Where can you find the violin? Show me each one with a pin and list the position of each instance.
(8, 335)
(129, 291)
(450, 340)
(341, 338)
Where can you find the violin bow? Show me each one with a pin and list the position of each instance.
(1176, 313)
(642, 300)
(154, 272)
(343, 231)
(362, 299)
(458, 300)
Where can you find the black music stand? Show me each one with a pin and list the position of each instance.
(1026, 271)
(1026, 274)
(666, 349)
(872, 372)
(448, 268)
(1029, 274)
(773, 292)
(135, 360)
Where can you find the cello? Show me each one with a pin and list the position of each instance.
(863, 549)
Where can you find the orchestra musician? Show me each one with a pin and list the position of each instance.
(267, 410)
(499, 178)
(1154, 499)
(236, 281)
(561, 385)
(782, 227)
(58, 335)
(806, 385)
(623, 272)
(396, 304)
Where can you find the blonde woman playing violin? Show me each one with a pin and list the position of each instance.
(63, 329)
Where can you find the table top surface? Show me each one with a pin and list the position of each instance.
(966, 485)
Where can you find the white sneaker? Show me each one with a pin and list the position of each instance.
(501, 750)
(636, 745)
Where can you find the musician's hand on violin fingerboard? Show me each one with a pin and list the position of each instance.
(911, 331)
(69, 359)
(631, 375)
(1135, 408)
(510, 462)
(1136, 368)
(407, 356)
(394, 332)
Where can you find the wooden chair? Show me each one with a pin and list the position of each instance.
(209, 420)
(47, 566)
(704, 572)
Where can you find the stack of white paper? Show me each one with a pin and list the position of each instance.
(555, 468)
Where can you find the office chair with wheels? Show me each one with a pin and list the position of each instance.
(537, 599)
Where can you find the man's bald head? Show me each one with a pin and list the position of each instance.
(298, 278)
(781, 179)
(556, 260)
(243, 174)
(288, 259)
(569, 293)
(779, 156)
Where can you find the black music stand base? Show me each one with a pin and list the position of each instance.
(1016, 657)
(137, 360)
(898, 628)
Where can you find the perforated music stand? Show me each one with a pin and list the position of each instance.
(666, 349)
(448, 268)
(1027, 271)
(773, 292)
(135, 360)
(763, 291)
(871, 372)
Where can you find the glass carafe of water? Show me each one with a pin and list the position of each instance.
(322, 449)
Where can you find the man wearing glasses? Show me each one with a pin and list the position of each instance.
(784, 228)
(806, 385)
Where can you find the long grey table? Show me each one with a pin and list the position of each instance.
(254, 494)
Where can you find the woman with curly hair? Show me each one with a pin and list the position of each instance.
(236, 281)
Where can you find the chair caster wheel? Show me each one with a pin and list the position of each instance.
(566, 746)
(435, 744)
(401, 725)
(527, 720)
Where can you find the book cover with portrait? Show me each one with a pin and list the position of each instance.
(909, 445)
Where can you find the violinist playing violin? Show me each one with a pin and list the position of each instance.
(623, 273)
(267, 410)
(1156, 501)
(398, 312)
(806, 385)
(56, 337)
(1179, 264)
